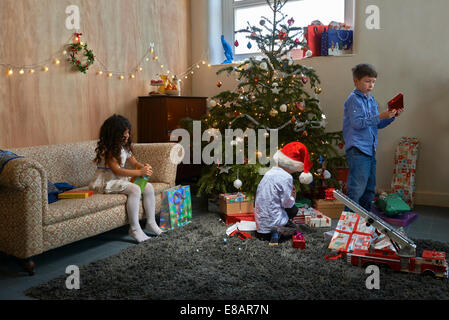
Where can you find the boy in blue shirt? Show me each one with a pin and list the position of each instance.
(361, 121)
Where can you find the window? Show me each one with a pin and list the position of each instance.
(237, 14)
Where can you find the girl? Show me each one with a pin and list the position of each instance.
(113, 150)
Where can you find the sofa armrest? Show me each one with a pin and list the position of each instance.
(23, 203)
(158, 156)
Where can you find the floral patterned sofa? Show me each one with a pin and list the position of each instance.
(30, 226)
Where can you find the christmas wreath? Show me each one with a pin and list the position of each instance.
(75, 49)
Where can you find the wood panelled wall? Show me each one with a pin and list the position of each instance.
(63, 105)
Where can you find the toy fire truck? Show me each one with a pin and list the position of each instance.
(403, 258)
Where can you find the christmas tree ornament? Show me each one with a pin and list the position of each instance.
(282, 35)
(236, 43)
(283, 108)
(273, 112)
(324, 174)
(305, 134)
(263, 65)
(304, 80)
(262, 22)
(318, 90)
(249, 45)
(275, 88)
(212, 103)
(297, 42)
(219, 84)
(290, 21)
(309, 53)
(293, 120)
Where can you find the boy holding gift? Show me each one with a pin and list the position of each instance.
(275, 197)
(361, 121)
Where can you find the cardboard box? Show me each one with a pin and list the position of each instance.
(330, 208)
(236, 204)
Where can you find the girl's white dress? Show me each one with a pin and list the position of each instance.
(105, 181)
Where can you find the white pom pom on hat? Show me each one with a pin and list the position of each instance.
(295, 157)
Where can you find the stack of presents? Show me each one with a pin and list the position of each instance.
(334, 39)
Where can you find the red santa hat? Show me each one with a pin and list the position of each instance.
(294, 156)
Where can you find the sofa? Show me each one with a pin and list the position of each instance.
(29, 225)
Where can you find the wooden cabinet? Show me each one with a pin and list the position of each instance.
(158, 116)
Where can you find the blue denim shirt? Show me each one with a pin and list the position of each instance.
(361, 122)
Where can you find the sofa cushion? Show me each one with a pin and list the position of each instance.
(67, 209)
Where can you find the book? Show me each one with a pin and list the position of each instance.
(75, 194)
(397, 102)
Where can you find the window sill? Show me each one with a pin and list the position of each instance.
(236, 63)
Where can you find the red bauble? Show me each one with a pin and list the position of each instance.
(304, 80)
(236, 43)
(282, 35)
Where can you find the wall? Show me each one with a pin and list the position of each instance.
(62, 105)
(410, 52)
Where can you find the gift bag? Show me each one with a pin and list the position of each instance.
(313, 37)
(336, 42)
(176, 208)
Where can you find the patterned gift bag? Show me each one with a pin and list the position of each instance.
(176, 208)
(336, 42)
(403, 182)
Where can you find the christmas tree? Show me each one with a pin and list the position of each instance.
(279, 96)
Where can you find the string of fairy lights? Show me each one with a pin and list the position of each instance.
(63, 53)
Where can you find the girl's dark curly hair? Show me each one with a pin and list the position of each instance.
(111, 138)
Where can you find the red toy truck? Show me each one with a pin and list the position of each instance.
(431, 263)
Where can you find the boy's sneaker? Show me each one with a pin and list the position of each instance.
(274, 239)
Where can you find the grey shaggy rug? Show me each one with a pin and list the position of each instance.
(195, 262)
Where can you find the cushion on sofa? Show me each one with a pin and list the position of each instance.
(66, 209)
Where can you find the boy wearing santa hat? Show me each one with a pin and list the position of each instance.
(275, 196)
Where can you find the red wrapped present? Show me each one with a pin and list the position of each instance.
(298, 241)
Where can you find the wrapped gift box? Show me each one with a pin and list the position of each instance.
(303, 212)
(330, 208)
(318, 220)
(404, 171)
(351, 233)
(230, 219)
(402, 219)
(236, 203)
(298, 241)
